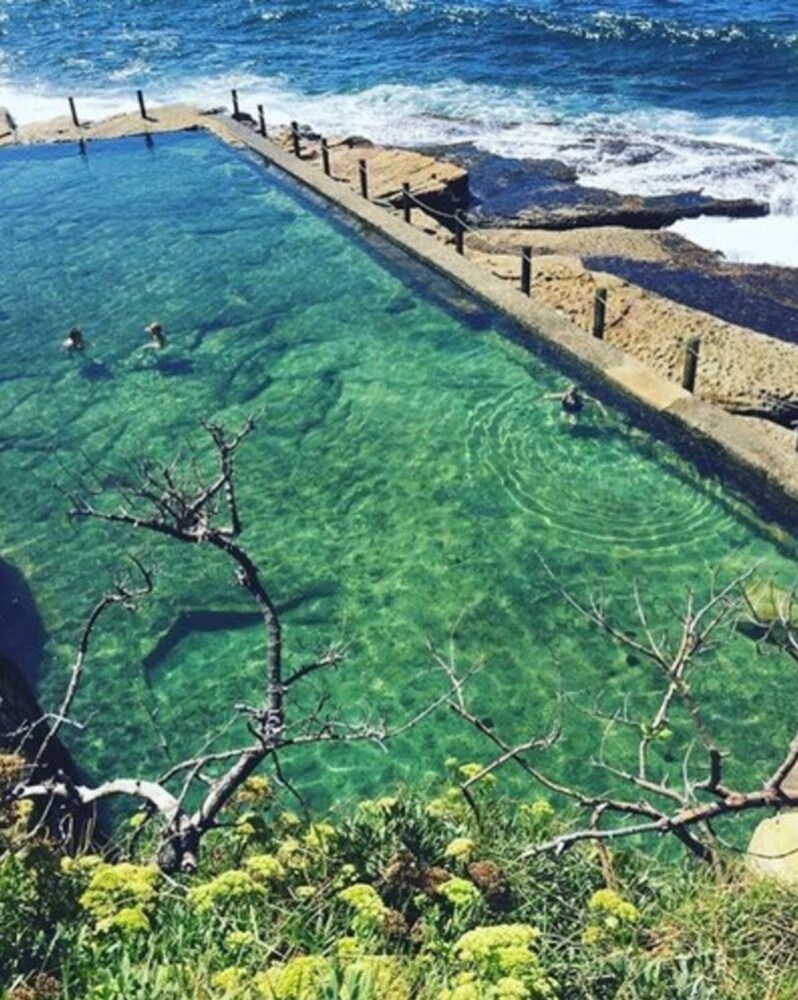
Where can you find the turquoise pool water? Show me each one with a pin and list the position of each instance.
(405, 480)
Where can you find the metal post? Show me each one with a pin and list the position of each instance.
(406, 201)
(691, 363)
(325, 157)
(364, 177)
(526, 270)
(458, 231)
(262, 120)
(82, 146)
(148, 141)
(295, 138)
(236, 112)
(599, 312)
(72, 108)
(142, 105)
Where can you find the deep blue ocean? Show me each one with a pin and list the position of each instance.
(640, 96)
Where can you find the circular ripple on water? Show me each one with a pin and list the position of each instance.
(595, 483)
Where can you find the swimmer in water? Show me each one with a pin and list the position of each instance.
(74, 341)
(157, 336)
(572, 402)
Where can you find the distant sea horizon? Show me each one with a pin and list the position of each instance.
(641, 97)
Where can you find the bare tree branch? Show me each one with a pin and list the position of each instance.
(179, 501)
(686, 812)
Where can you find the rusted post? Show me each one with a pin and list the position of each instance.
(363, 170)
(406, 201)
(262, 121)
(142, 105)
(325, 157)
(690, 363)
(526, 270)
(295, 138)
(236, 111)
(73, 109)
(458, 231)
(599, 312)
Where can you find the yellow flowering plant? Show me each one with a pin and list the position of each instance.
(611, 919)
(370, 911)
(501, 961)
(461, 893)
(120, 897)
(265, 868)
(460, 849)
(304, 977)
(230, 888)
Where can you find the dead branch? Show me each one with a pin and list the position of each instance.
(686, 811)
(177, 501)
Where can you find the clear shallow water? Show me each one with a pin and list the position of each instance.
(404, 483)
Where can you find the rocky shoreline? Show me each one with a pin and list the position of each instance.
(662, 289)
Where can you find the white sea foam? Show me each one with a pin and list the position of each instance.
(40, 103)
(647, 152)
(133, 71)
(770, 240)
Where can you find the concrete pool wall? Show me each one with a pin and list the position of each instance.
(756, 458)
(764, 466)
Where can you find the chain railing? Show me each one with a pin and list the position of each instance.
(603, 315)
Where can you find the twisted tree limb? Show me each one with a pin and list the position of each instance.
(686, 811)
(175, 500)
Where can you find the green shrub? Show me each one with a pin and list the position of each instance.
(387, 900)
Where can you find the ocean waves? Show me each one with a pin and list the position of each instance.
(645, 151)
(604, 26)
(638, 96)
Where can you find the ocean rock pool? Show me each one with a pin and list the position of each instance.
(406, 479)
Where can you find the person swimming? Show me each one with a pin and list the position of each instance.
(74, 340)
(572, 402)
(157, 336)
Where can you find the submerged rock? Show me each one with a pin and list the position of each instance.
(20, 731)
(23, 732)
(22, 632)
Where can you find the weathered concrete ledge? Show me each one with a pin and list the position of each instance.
(759, 456)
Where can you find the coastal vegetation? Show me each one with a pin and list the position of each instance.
(412, 894)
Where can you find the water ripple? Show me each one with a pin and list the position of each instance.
(582, 480)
